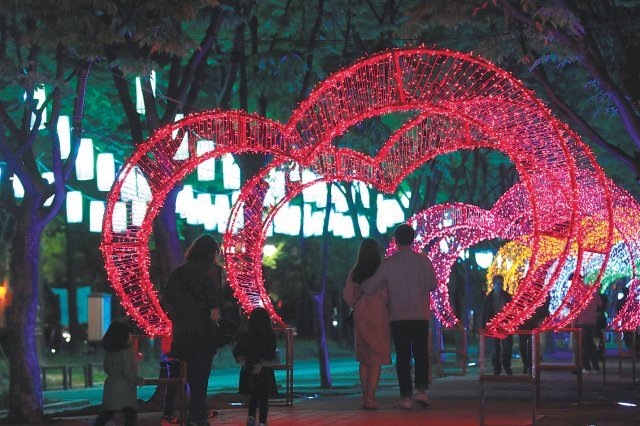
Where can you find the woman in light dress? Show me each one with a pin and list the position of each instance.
(371, 321)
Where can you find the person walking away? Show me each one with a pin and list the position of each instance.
(587, 321)
(120, 392)
(256, 350)
(501, 348)
(409, 278)
(371, 321)
(192, 297)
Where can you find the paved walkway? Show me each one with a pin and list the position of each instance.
(455, 401)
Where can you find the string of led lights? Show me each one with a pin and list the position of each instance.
(462, 102)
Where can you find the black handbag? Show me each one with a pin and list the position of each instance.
(226, 331)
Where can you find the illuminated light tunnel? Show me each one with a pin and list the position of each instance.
(465, 102)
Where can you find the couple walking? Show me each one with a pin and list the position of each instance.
(390, 298)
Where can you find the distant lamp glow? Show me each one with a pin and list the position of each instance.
(84, 160)
(64, 136)
(48, 176)
(620, 296)
(206, 169)
(106, 170)
(484, 258)
(18, 189)
(96, 215)
(74, 207)
(139, 98)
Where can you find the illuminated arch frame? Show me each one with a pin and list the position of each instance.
(398, 80)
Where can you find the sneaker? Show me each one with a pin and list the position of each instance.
(251, 421)
(406, 404)
(422, 399)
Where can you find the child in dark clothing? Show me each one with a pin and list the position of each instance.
(255, 350)
(120, 392)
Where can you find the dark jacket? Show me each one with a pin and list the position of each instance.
(255, 348)
(192, 291)
(489, 309)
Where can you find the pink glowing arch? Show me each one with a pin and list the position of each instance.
(466, 102)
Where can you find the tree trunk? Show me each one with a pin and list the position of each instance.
(165, 231)
(318, 301)
(25, 388)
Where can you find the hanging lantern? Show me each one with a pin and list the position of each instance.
(139, 99)
(206, 169)
(74, 207)
(184, 201)
(182, 153)
(119, 221)
(230, 173)
(135, 187)
(84, 160)
(222, 209)
(48, 176)
(96, 215)
(106, 169)
(18, 189)
(64, 136)
(203, 204)
(39, 95)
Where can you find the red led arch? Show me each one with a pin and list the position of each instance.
(470, 102)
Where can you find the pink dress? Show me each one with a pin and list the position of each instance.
(371, 324)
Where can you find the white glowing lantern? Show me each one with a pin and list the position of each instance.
(74, 207)
(96, 215)
(339, 201)
(48, 176)
(39, 95)
(361, 187)
(184, 201)
(484, 258)
(84, 160)
(182, 153)
(138, 212)
(444, 246)
(341, 226)
(18, 189)
(276, 189)
(230, 173)
(64, 136)
(106, 168)
(389, 213)
(206, 169)
(222, 209)
(139, 99)
(135, 187)
(364, 226)
(203, 204)
(287, 220)
(119, 217)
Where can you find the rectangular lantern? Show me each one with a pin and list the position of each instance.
(74, 207)
(139, 99)
(184, 201)
(119, 217)
(18, 189)
(206, 169)
(84, 161)
(64, 136)
(39, 95)
(48, 176)
(182, 153)
(230, 173)
(96, 215)
(106, 168)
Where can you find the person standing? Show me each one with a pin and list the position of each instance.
(525, 341)
(120, 392)
(409, 278)
(256, 350)
(371, 321)
(191, 298)
(587, 320)
(502, 348)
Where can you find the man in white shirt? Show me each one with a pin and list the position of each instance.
(409, 277)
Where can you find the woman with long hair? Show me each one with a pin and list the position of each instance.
(192, 298)
(371, 321)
